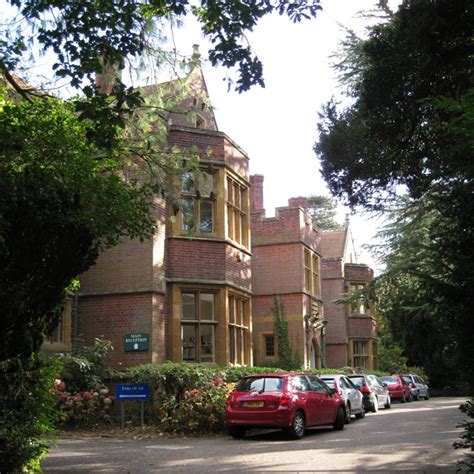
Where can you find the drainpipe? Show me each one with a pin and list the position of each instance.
(74, 319)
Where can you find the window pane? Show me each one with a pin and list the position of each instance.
(236, 195)
(187, 214)
(188, 305)
(187, 182)
(207, 343)
(230, 191)
(207, 306)
(231, 310)
(270, 346)
(232, 344)
(237, 229)
(207, 184)
(230, 222)
(207, 216)
(189, 342)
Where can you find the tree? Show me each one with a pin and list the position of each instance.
(322, 210)
(409, 130)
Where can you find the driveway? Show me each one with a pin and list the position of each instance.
(414, 437)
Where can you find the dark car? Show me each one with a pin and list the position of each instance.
(290, 401)
(398, 388)
(374, 392)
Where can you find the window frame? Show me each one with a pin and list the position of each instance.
(198, 323)
(194, 196)
(238, 330)
(237, 210)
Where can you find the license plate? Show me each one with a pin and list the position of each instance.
(253, 404)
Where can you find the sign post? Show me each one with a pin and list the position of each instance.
(132, 391)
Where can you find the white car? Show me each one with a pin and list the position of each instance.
(349, 392)
(419, 388)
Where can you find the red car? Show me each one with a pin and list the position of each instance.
(398, 388)
(290, 401)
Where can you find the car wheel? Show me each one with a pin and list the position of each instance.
(296, 430)
(361, 414)
(417, 396)
(348, 415)
(340, 419)
(410, 397)
(237, 432)
(404, 399)
(427, 397)
(375, 406)
(388, 403)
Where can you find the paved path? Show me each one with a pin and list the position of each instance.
(414, 437)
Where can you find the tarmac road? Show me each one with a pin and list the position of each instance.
(414, 437)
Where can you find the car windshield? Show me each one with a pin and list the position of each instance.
(329, 382)
(357, 381)
(389, 380)
(260, 384)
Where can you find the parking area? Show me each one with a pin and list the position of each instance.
(415, 436)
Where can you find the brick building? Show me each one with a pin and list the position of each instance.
(185, 294)
(285, 266)
(351, 332)
(202, 289)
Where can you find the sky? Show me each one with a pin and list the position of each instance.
(277, 125)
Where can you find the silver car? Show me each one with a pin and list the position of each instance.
(349, 392)
(418, 387)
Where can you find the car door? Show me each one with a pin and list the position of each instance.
(308, 399)
(353, 394)
(379, 389)
(325, 396)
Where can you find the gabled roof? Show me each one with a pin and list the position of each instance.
(195, 99)
(338, 244)
(333, 243)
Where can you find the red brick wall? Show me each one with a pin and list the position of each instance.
(263, 321)
(112, 316)
(362, 327)
(335, 315)
(336, 356)
(358, 272)
(208, 260)
(222, 148)
(256, 192)
(277, 269)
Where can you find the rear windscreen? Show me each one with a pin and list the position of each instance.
(328, 382)
(260, 384)
(389, 380)
(357, 381)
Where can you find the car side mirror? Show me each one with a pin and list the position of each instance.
(385, 384)
(332, 391)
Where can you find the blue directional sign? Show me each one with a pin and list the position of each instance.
(132, 391)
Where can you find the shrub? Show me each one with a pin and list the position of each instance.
(467, 437)
(85, 366)
(88, 408)
(27, 412)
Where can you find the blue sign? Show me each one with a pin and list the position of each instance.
(132, 391)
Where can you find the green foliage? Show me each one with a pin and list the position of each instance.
(322, 210)
(27, 412)
(467, 437)
(287, 358)
(85, 366)
(391, 359)
(85, 35)
(389, 136)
